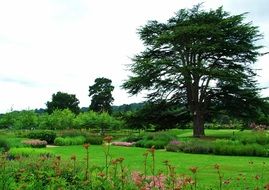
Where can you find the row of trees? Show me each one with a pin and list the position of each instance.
(100, 92)
(59, 119)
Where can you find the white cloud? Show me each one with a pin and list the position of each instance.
(63, 45)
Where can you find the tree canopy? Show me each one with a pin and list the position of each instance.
(101, 93)
(198, 58)
(62, 101)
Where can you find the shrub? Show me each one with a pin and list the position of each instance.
(95, 140)
(198, 146)
(254, 137)
(133, 138)
(174, 146)
(26, 152)
(72, 133)
(46, 135)
(158, 140)
(67, 141)
(36, 143)
(219, 147)
(4, 146)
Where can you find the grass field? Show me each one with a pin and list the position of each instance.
(231, 166)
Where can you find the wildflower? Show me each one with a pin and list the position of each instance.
(108, 139)
(86, 146)
(158, 182)
(174, 142)
(188, 180)
(120, 160)
(146, 154)
(152, 150)
(114, 162)
(193, 169)
(137, 178)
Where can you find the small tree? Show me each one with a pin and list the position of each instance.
(196, 58)
(61, 101)
(101, 93)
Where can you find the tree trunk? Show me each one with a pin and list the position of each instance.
(198, 125)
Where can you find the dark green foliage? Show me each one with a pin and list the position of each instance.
(163, 115)
(4, 146)
(133, 138)
(199, 59)
(46, 135)
(67, 141)
(61, 101)
(101, 93)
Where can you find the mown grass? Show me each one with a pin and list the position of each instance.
(230, 166)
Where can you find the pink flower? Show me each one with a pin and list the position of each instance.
(123, 143)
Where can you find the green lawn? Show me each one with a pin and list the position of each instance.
(231, 166)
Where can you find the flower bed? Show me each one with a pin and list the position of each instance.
(123, 143)
(35, 143)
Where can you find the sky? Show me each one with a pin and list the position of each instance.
(63, 45)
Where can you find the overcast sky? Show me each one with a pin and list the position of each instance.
(48, 46)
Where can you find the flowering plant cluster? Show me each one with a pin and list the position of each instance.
(35, 143)
(123, 143)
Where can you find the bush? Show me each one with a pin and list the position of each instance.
(133, 138)
(45, 135)
(4, 146)
(241, 150)
(67, 141)
(95, 140)
(218, 147)
(36, 143)
(72, 133)
(174, 146)
(26, 152)
(158, 144)
(198, 146)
